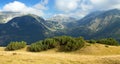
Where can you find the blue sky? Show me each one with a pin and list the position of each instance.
(27, 2)
(49, 8)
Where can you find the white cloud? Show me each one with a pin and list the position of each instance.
(17, 6)
(14, 6)
(105, 4)
(66, 5)
(98, 2)
(80, 8)
(75, 8)
(42, 5)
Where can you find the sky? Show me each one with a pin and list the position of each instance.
(49, 8)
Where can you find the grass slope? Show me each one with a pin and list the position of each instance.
(90, 54)
(99, 49)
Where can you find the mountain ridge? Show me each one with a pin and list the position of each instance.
(100, 24)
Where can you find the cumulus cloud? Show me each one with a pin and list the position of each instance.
(42, 5)
(80, 8)
(17, 6)
(66, 5)
(105, 4)
(76, 8)
(14, 6)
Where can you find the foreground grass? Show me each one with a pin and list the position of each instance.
(91, 54)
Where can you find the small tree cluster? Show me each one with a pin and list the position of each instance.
(91, 41)
(81, 41)
(43, 45)
(16, 45)
(63, 43)
(49, 43)
(36, 47)
(67, 43)
(108, 41)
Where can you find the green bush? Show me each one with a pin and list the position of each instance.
(63, 43)
(108, 41)
(62, 40)
(91, 41)
(49, 43)
(16, 45)
(81, 41)
(43, 45)
(36, 47)
(70, 45)
(67, 43)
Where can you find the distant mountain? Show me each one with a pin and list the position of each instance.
(62, 18)
(87, 19)
(29, 28)
(65, 21)
(54, 25)
(99, 20)
(99, 25)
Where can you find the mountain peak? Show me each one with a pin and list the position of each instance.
(62, 18)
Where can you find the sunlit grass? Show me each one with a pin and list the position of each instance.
(92, 54)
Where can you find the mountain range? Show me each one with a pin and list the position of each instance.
(31, 28)
(102, 24)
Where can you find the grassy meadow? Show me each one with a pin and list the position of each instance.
(89, 54)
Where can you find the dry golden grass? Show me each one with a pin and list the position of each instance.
(99, 49)
(92, 54)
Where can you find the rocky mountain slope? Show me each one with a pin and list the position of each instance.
(28, 28)
(99, 25)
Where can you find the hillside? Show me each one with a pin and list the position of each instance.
(23, 28)
(100, 24)
(90, 54)
(29, 28)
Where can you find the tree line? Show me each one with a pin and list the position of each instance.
(62, 43)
